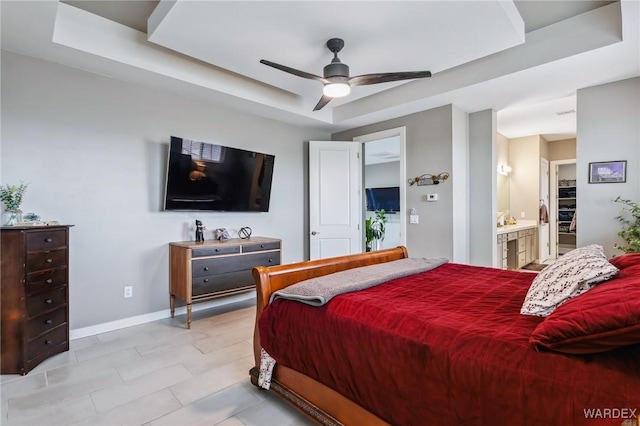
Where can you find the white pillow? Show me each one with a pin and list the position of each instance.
(571, 275)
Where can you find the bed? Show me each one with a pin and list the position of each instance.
(449, 346)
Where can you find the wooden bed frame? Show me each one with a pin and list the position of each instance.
(319, 402)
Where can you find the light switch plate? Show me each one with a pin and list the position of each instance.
(432, 197)
(414, 218)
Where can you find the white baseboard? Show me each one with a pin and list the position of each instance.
(154, 316)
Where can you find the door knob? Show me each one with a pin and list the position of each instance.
(314, 233)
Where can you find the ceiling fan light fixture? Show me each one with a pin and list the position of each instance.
(336, 90)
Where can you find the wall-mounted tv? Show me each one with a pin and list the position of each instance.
(205, 176)
(383, 198)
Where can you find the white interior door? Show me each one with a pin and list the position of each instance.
(335, 198)
(543, 234)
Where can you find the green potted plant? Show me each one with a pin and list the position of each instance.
(374, 229)
(11, 196)
(631, 226)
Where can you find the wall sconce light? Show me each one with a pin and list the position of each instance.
(427, 179)
(504, 170)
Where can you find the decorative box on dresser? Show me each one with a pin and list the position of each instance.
(200, 271)
(34, 296)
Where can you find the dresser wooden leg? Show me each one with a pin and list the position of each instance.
(189, 315)
(172, 304)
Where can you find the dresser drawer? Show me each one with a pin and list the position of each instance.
(46, 240)
(214, 250)
(46, 322)
(222, 265)
(46, 260)
(221, 282)
(47, 342)
(46, 301)
(39, 281)
(247, 248)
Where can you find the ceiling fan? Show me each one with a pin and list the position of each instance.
(336, 80)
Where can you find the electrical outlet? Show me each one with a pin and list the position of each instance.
(128, 291)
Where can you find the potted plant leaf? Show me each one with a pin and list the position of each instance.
(631, 226)
(375, 229)
(11, 196)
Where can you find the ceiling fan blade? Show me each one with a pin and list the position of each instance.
(322, 102)
(363, 80)
(294, 71)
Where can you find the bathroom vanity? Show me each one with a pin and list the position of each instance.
(517, 244)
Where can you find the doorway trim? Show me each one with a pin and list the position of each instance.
(399, 132)
(553, 204)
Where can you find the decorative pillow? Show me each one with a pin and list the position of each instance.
(571, 275)
(625, 260)
(605, 318)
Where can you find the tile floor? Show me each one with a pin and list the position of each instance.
(158, 373)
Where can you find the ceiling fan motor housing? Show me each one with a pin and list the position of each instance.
(336, 69)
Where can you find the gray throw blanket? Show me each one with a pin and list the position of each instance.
(318, 291)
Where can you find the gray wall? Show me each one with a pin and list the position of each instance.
(94, 151)
(482, 188)
(429, 138)
(608, 130)
(381, 175)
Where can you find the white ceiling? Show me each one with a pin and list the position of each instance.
(524, 59)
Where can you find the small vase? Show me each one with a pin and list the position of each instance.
(11, 217)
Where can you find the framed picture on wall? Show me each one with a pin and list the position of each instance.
(608, 172)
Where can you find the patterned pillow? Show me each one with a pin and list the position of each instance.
(571, 275)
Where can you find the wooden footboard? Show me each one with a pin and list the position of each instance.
(321, 403)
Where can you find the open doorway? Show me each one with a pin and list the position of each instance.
(383, 177)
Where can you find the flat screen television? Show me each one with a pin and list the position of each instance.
(383, 198)
(204, 176)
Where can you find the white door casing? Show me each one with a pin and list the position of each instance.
(400, 133)
(335, 198)
(543, 234)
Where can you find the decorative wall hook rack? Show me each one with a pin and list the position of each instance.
(428, 179)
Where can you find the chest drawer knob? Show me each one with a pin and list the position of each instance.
(48, 301)
(49, 281)
(48, 240)
(48, 342)
(270, 260)
(49, 321)
(217, 250)
(49, 260)
(261, 245)
(206, 280)
(206, 268)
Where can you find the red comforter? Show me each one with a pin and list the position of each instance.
(448, 347)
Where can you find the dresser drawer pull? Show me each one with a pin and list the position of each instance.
(49, 321)
(217, 250)
(48, 301)
(261, 245)
(206, 268)
(206, 280)
(49, 281)
(49, 260)
(270, 260)
(48, 240)
(48, 342)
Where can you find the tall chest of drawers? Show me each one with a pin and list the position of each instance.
(34, 296)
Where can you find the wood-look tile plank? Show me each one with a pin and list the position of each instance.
(212, 409)
(212, 381)
(137, 412)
